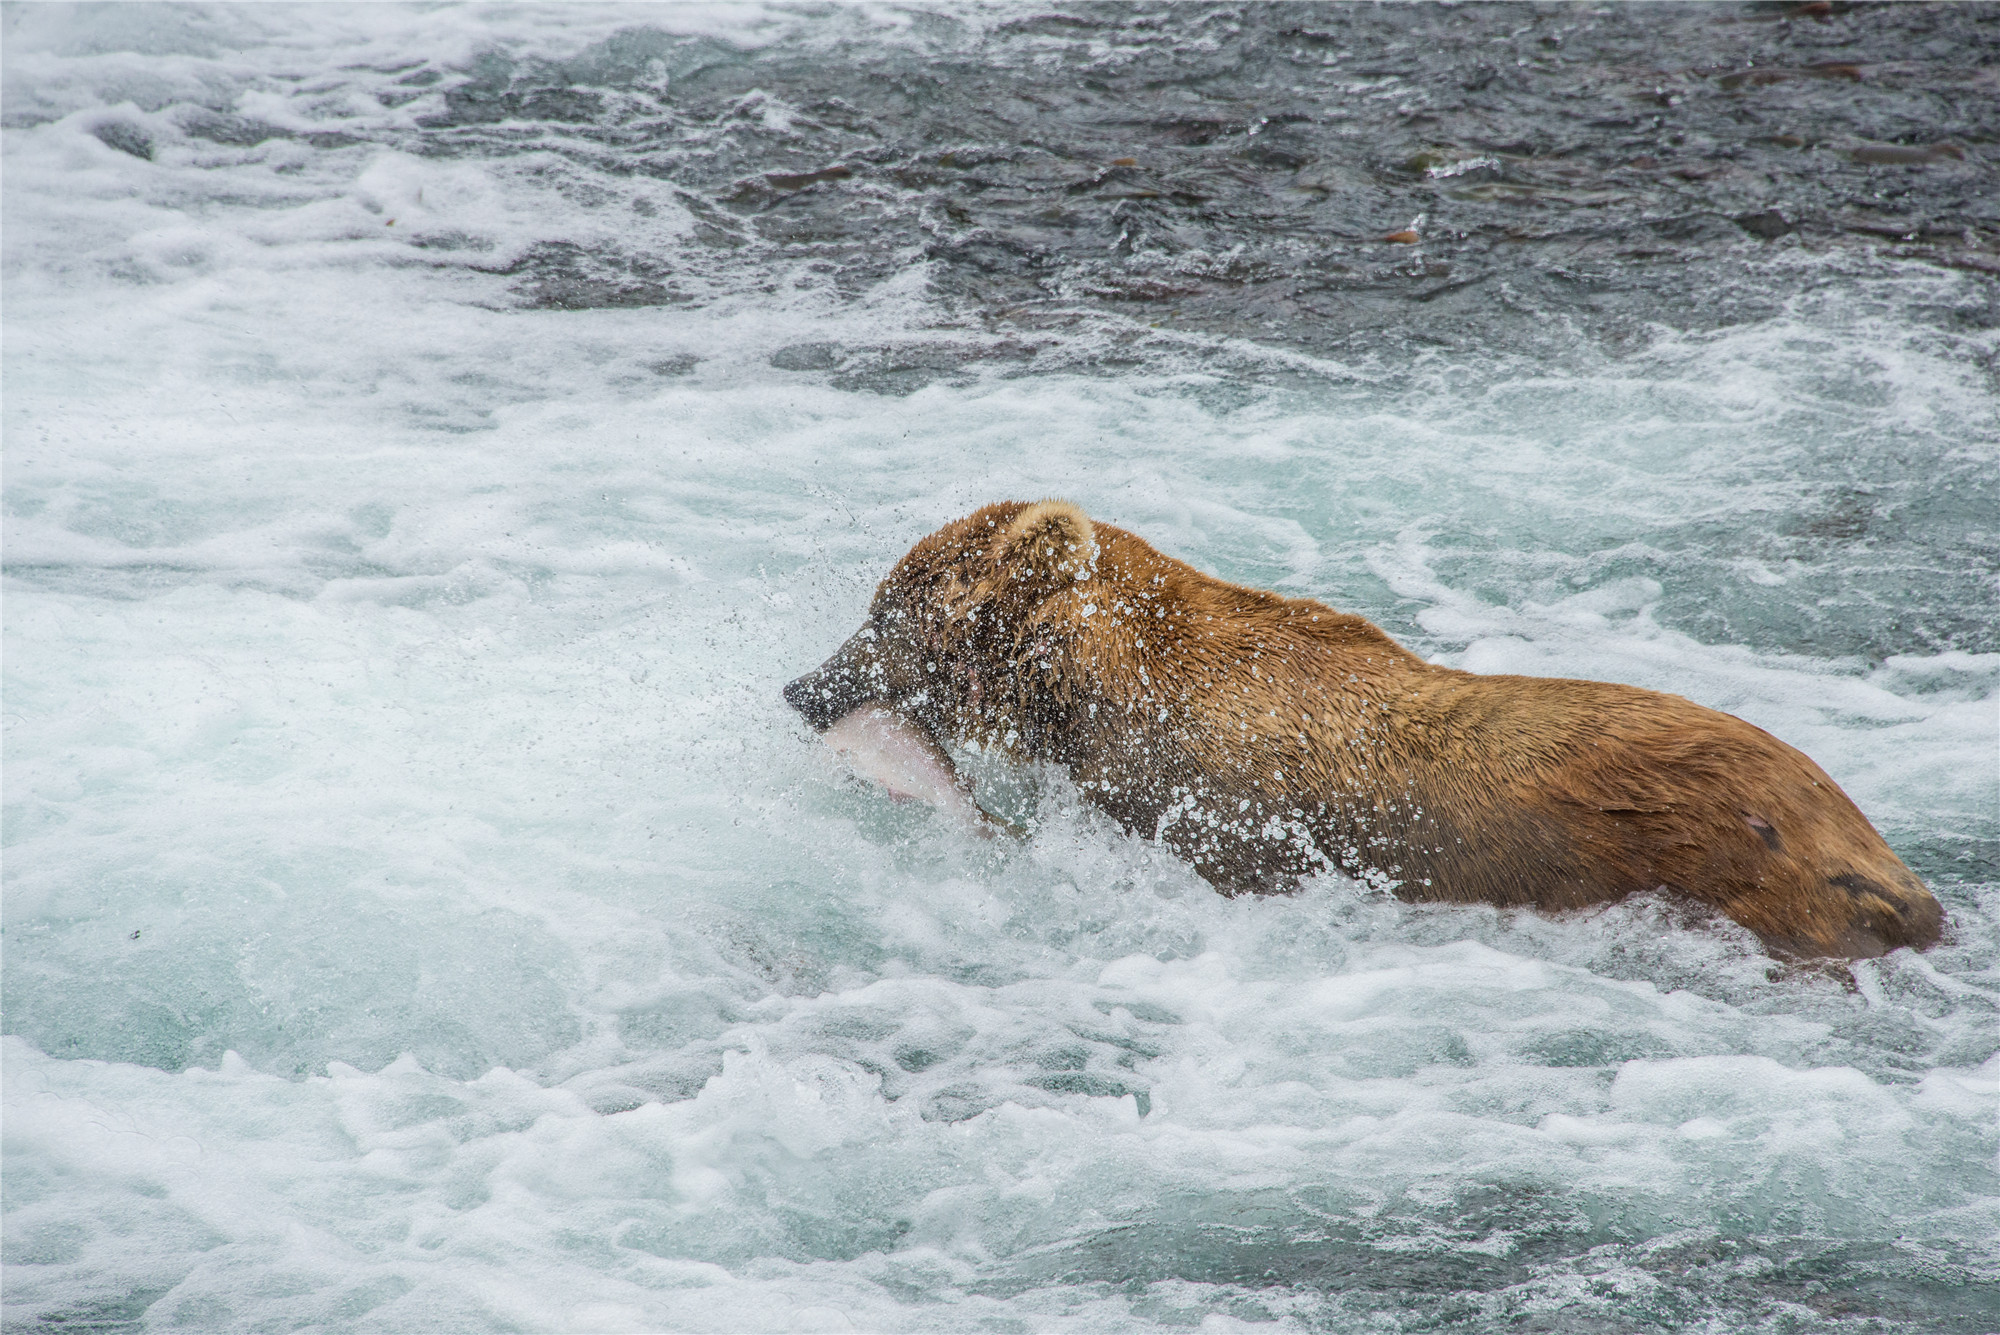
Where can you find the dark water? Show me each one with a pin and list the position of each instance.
(1234, 168)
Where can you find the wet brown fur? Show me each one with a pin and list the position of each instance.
(1264, 738)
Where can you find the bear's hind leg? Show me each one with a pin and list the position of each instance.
(1851, 914)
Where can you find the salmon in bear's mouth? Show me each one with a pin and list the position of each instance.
(893, 750)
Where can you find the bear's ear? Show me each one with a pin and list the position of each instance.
(1049, 546)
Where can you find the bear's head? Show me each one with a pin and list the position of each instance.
(963, 635)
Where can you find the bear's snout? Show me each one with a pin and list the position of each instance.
(841, 685)
(809, 696)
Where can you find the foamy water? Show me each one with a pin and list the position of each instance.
(422, 912)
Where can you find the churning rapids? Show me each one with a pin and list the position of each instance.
(434, 435)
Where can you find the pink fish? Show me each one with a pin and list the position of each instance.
(885, 747)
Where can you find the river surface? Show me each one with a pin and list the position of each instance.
(434, 435)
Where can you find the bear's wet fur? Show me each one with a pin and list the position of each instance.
(1265, 738)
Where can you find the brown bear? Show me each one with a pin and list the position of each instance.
(1265, 738)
